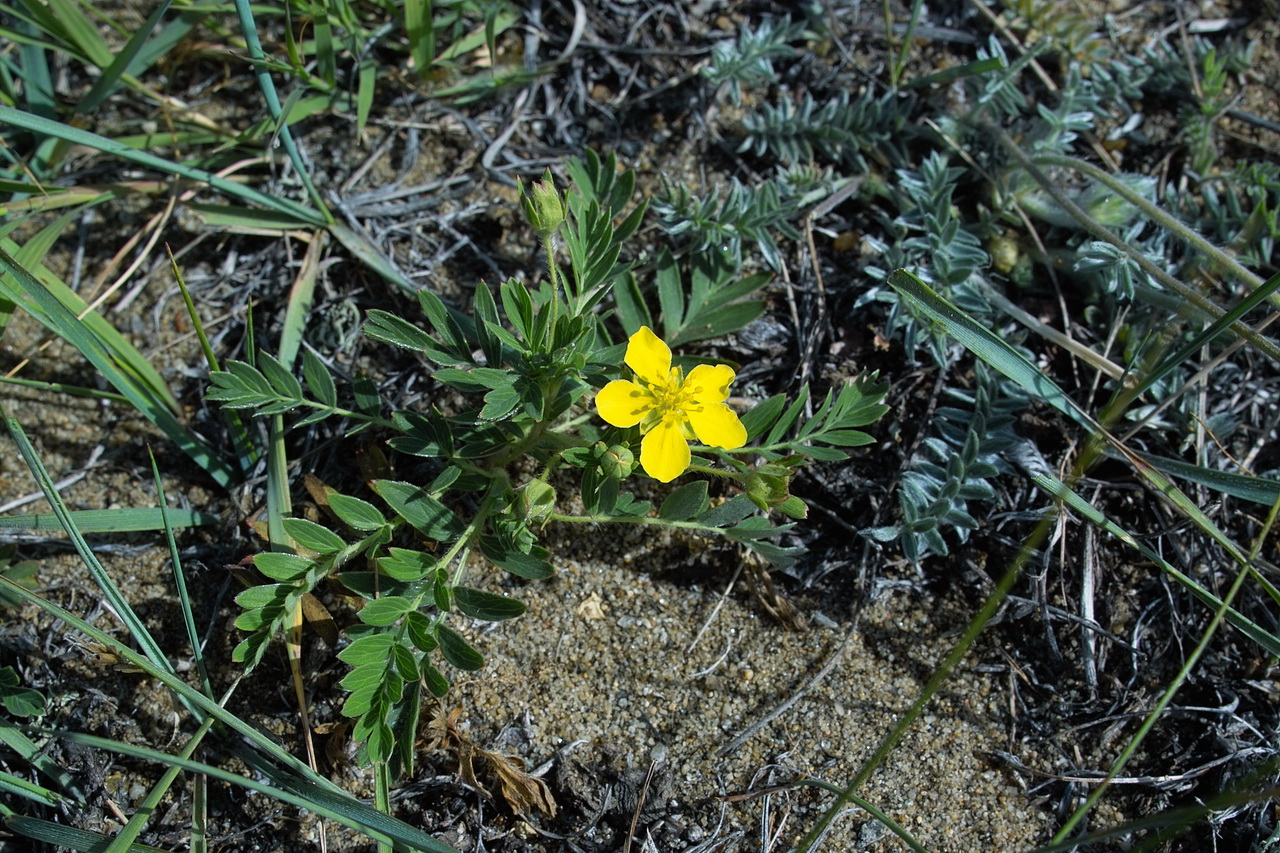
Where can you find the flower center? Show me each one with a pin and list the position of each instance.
(673, 397)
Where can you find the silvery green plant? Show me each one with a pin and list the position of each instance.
(954, 468)
(530, 359)
(840, 130)
(748, 59)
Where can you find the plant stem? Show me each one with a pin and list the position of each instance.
(553, 271)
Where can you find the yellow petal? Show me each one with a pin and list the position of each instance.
(623, 403)
(664, 454)
(707, 384)
(717, 425)
(649, 357)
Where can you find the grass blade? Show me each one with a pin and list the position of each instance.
(14, 786)
(1256, 489)
(364, 250)
(123, 61)
(1222, 324)
(987, 345)
(319, 794)
(83, 322)
(300, 793)
(124, 842)
(1055, 487)
(180, 579)
(67, 837)
(80, 31)
(268, 87)
(36, 124)
(420, 29)
(111, 593)
(53, 314)
(131, 520)
(34, 756)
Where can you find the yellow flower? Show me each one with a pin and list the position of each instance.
(670, 408)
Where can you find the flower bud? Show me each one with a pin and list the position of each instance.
(618, 461)
(768, 487)
(538, 500)
(543, 205)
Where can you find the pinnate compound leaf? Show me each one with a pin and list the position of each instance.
(250, 377)
(822, 454)
(383, 611)
(362, 679)
(419, 629)
(406, 666)
(847, 438)
(312, 536)
(486, 312)
(426, 514)
(446, 325)
(436, 683)
(488, 606)
(500, 402)
(423, 435)
(730, 512)
(359, 514)
(518, 304)
(239, 387)
(263, 595)
(403, 564)
(789, 417)
(762, 415)
(318, 379)
(282, 567)
(390, 329)
(457, 651)
(476, 378)
(259, 618)
(369, 649)
(18, 700)
(686, 502)
(282, 381)
(441, 592)
(368, 400)
(532, 565)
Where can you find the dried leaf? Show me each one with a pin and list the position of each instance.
(318, 617)
(519, 789)
(466, 753)
(338, 738)
(105, 657)
(591, 608)
(318, 490)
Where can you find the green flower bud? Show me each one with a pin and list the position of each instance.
(618, 461)
(538, 500)
(768, 487)
(543, 205)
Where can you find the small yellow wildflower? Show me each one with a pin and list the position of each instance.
(670, 408)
